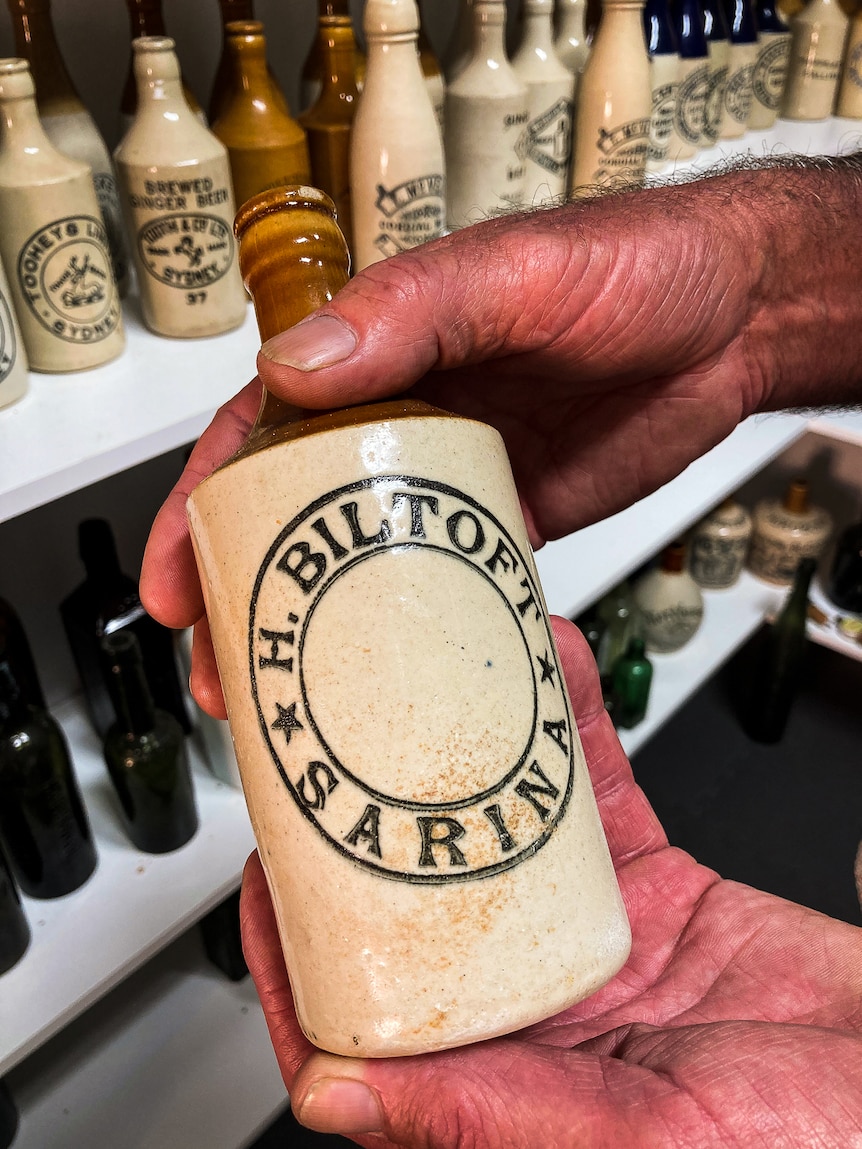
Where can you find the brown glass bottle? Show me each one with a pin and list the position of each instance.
(311, 80)
(67, 123)
(266, 147)
(146, 19)
(328, 122)
(395, 695)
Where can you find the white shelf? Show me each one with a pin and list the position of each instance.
(71, 430)
(178, 1057)
(579, 569)
(133, 905)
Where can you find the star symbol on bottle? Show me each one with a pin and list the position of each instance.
(548, 668)
(287, 720)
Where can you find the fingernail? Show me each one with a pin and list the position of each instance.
(314, 343)
(339, 1105)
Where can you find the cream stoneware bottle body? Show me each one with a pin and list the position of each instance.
(397, 169)
(178, 199)
(13, 357)
(53, 241)
(817, 37)
(408, 754)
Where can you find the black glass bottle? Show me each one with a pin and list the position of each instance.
(632, 681)
(776, 663)
(15, 647)
(695, 73)
(658, 28)
(717, 35)
(108, 601)
(222, 938)
(43, 824)
(845, 577)
(14, 930)
(145, 754)
(8, 1117)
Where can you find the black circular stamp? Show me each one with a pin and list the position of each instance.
(8, 343)
(406, 682)
(738, 93)
(186, 250)
(64, 270)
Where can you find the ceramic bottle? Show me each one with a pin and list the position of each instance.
(612, 121)
(849, 102)
(670, 603)
(225, 74)
(67, 123)
(265, 145)
(486, 121)
(14, 928)
(718, 45)
(53, 240)
(770, 67)
(399, 716)
(786, 531)
(550, 88)
(817, 37)
(844, 586)
(179, 203)
(311, 80)
(433, 74)
(571, 43)
(664, 77)
(147, 19)
(718, 546)
(13, 357)
(397, 170)
(740, 70)
(695, 78)
(328, 123)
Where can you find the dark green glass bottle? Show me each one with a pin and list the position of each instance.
(845, 577)
(146, 755)
(776, 663)
(8, 1117)
(15, 647)
(632, 680)
(43, 824)
(222, 938)
(14, 930)
(108, 601)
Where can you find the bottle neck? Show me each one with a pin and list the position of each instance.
(489, 30)
(796, 498)
(35, 41)
(798, 600)
(130, 694)
(20, 126)
(338, 54)
(98, 552)
(333, 8)
(673, 559)
(13, 704)
(538, 29)
(160, 88)
(573, 21)
(146, 18)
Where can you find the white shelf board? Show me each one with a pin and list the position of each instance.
(577, 570)
(133, 905)
(729, 617)
(178, 1057)
(70, 430)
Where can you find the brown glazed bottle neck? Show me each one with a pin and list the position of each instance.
(796, 498)
(294, 259)
(338, 55)
(252, 91)
(673, 559)
(35, 41)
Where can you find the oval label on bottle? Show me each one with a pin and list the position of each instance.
(410, 213)
(8, 348)
(770, 71)
(65, 274)
(407, 684)
(186, 250)
(738, 93)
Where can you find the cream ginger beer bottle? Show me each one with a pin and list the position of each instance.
(486, 121)
(770, 67)
(13, 357)
(849, 101)
(612, 121)
(397, 170)
(738, 92)
(695, 79)
(550, 88)
(817, 37)
(409, 757)
(178, 199)
(661, 41)
(52, 240)
(67, 123)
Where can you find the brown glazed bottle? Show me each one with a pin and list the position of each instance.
(146, 19)
(406, 745)
(225, 77)
(327, 124)
(311, 80)
(265, 145)
(67, 123)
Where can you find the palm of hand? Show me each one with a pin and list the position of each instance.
(736, 1021)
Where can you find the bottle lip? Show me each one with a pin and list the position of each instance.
(16, 79)
(153, 44)
(248, 28)
(277, 199)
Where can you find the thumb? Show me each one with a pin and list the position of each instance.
(495, 288)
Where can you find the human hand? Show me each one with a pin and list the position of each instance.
(737, 1020)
